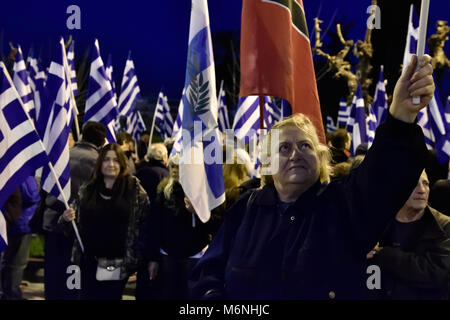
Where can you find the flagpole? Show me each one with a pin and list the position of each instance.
(422, 36)
(72, 97)
(153, 125)
(52, 170)
(261, 112)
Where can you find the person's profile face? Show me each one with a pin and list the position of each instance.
(418, 199)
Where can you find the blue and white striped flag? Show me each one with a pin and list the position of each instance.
(21, 150)
(163, 118)
(246, 121)
(56, 105)
(3, 235)
(371, 126)
(356, 125)
(37, 78)
(176, 132)
(331, 127)
(223, 120)
(71, 62)
(380, 106)
(109, 72)
(129, 91)
(434, 124)
(201, 178)
(272, 113)
(20, 79)
(343, 114)
(136, 125)
(101, 105)
(447, 111)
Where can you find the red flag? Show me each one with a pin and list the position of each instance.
(276, 57)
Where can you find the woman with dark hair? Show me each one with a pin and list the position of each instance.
(110, 210)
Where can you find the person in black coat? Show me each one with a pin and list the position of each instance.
(153, 169)
(302, 237)
(175, 237)
(414, 252)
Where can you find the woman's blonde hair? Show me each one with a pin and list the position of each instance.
(168, 188)
(303, 124)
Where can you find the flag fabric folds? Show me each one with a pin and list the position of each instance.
(246, 121)
(20, 80)
(73, 76)
(129, 90)
(3, 236)
(380, 106)
(101, 105)
(21, 151)
(202, 180)
(432, 118)
(224, 122)
(163, 118)
(57, 128)
(343, 114)
(356, 125)
(276, 57)
(37, 78)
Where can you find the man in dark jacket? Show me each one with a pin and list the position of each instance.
(414, 253)
(153, 169)
(58, 247)
(303, 237)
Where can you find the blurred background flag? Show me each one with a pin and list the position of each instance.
(163, 118)
(20, 80)
(343, 114)
(101, 105)
(3, 235)
(129, 90)
(73, 75)
(21, 151)
(246, 120)
(380, 106)
(356, 125)
(224, 122)
(202, 181)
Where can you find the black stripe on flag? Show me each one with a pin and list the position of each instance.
(297, 13)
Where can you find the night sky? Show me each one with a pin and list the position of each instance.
(156, 31)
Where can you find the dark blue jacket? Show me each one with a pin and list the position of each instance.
(317, 248)
(30, 198)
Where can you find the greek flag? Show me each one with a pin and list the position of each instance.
(201, 178)
(21, 150)
(447, 111)
(273, 112)
(434, 124)
(176, 132)
(101, 105)
(136, 125)
(343, 114)
(3, 236)
(224, 122)
(56, 106)
(246, 121)
(129, 91)
(371, 126)
(356, 125)
(380, 106)
(73, 76)
(163, 118)
(20, 79)
(37, 78)
(109, 73)
(330, 124)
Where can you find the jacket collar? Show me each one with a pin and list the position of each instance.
(83, 143)
(268, 196)
(434, 227)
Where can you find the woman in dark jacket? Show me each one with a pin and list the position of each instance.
(110, 211)
(176, 237)
(304, 237)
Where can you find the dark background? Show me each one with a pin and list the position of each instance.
(157, 31)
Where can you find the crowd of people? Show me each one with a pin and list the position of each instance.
(306, 231)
